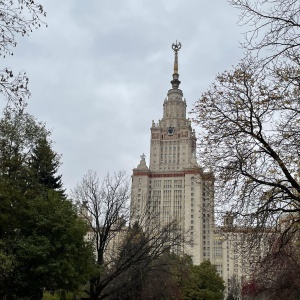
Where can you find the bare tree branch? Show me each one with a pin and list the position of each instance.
(251, 141)
(122, 248)
(16, 18)
(274, 27)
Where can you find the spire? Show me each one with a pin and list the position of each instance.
(175, 82)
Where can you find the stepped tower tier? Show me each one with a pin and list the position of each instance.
(173, 141)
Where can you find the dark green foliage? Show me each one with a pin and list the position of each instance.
(18, 136)
(49, 249)
(44, 164)
(41, 237)
(204, 283)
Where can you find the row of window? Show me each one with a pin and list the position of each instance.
(174, 161)
(177, 183)
(157, 183)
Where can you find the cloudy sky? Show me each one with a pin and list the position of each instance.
(101, 69)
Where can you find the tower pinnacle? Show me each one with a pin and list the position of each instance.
(175, 82)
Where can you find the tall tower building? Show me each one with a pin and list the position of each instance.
(173, 184)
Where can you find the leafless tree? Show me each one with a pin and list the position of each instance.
(273, 28)
(277, 276)
(250, 118)
(147, 265)
(234, 288)
(124, 250)
(251, 140)
(16, 18)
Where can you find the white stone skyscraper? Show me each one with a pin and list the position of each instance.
(173, 184)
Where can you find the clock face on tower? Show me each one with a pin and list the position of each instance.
(171, 130)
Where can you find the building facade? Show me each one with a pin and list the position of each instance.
(173, 185)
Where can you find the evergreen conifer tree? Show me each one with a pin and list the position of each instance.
(44, 164)
(42, 243)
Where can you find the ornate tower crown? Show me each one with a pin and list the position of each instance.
(175, 82)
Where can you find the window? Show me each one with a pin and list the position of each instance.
(178, 183)
(167, 184)
(157, 183)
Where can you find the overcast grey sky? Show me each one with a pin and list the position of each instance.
(100, 72)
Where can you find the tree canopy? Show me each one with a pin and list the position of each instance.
(44, 163)
(250, 118)
(272, 29)
(251, 140)
(204, 283)
(17, 18)
(276, 276)
(49, 252)
(41, 235)
(128, 253)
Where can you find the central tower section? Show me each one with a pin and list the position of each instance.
(173, 141)
(174, 187)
